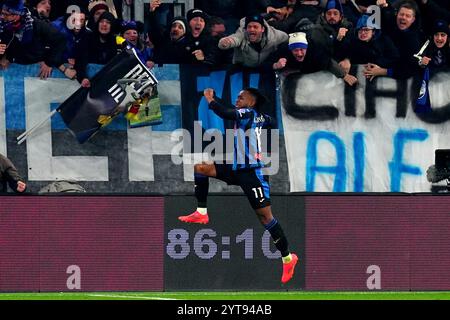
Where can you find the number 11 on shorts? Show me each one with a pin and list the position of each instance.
(255, 190)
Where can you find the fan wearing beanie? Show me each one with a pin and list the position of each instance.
(334, 23)
(168, 43)
(176, 30)
(253, 42)
(197, 20)
(96, 8)
(11, 21)
(95, 5)
(102, 46)
(304, 56)
(198, 47)
(298, 46)
(131, 31)
(437, 54)
(402, 25)
(368, 45)
(73, 26)
(29, 40)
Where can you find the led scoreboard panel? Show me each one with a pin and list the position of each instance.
(233, 251)
(136, 243)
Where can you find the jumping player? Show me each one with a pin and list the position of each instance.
(245, 171)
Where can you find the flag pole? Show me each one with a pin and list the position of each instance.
(418, 55)
(24, 135)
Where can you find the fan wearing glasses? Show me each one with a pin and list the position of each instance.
(368, 47)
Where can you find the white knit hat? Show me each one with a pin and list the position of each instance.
(180, 22)
(298, 40)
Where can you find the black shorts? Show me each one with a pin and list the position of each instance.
(254, 184)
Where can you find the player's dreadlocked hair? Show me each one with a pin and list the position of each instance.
(260, 98)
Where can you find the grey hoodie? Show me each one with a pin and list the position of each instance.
(245, 54)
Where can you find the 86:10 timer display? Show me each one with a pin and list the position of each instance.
(206, 244)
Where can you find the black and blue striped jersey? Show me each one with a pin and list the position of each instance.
(248, 128)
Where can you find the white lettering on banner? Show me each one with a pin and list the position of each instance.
(2, 118)
(380, 152)
(116, 90)
(137, 73)
(384, 152)
(42, 165)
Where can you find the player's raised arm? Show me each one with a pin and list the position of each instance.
(221, 110)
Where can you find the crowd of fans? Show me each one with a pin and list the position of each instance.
(271, 35)
(299, 35)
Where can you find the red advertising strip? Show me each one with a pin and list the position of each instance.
(81, 243)
(377, 242)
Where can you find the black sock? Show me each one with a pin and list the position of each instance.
(201, 189)
(278, 237)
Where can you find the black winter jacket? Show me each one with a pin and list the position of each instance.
(47, 45)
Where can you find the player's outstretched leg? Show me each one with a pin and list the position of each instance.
(279, 239)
